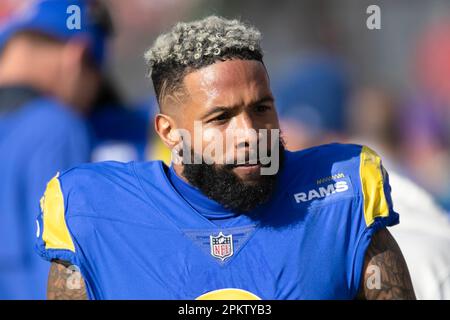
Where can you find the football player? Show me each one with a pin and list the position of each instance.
(312, 228)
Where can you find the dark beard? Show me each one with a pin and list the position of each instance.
(221, 184)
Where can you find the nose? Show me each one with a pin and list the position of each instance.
(245, 138)
(244, 121)
(246, 132)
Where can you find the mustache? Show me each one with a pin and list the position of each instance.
(247, 158)
(221, 184)
(268, 158)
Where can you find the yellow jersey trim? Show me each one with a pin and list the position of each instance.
(55, 234)
(375, 204)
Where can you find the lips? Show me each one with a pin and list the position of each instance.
(257, 164)
(248, 170)
(248, 165)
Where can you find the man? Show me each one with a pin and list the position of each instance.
(48, 80)
(424, 237)
(120, 131)
(313, 228)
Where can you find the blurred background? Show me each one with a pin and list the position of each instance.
(333, 80)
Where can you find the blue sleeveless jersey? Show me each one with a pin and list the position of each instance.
(133, 236)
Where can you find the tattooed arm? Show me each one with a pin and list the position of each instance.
(386, 276)
(65, 282)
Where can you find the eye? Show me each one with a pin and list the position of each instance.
(223, 117)
(262, 108)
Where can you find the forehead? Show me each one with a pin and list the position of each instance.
(228, 82)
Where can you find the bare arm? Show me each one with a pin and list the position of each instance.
(386, 275)
(65, 282)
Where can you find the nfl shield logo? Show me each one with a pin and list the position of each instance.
(221, 246)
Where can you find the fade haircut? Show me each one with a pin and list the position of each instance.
(191, 46)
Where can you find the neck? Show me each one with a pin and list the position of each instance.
(179, 171)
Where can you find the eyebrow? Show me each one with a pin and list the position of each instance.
(219, 109)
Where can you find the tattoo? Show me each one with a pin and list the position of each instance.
(384, 262)
(65, 282)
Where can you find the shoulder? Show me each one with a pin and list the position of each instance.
(356, 169)
(91, 186)
(327, 154)
(106, 171)
(357, 159)
(324, 163)
(77, 191)
(90, 182)
(91, 172)
(83, 201)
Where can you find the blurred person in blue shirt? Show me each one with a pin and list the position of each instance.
(49, 78)
(311, 97)
(120, 130)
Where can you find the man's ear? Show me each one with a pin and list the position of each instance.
(166, 129)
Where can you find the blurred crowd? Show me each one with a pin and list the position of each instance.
(86, 91)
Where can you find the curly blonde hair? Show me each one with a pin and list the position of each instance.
(189, 46)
